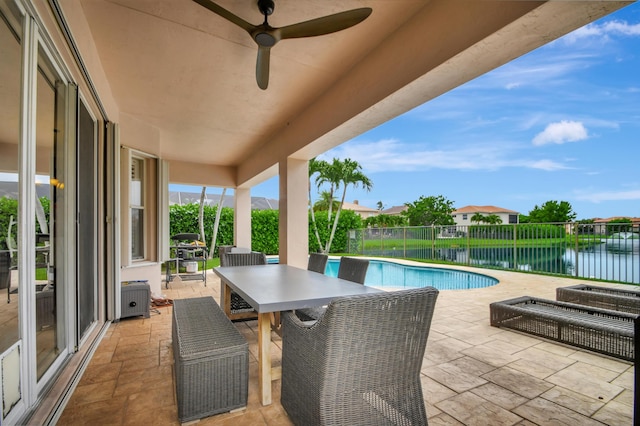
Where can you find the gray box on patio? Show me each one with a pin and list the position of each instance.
(135, 297)
(211, 360)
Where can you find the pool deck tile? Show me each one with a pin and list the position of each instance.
(472, 373)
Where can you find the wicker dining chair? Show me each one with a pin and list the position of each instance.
(350, 269)
(359, 364)
(240, 308)
(353, 269)
(317, 262)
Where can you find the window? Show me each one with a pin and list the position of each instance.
(513, 218)
(464, 217)
(136, 204)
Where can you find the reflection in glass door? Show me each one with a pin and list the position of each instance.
(10, 67)
(49, 194)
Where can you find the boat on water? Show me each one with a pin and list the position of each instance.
(623, 241)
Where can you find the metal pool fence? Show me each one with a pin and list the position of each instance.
(598, 251)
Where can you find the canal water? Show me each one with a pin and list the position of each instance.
(598, 262)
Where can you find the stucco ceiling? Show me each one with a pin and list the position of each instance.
(189, 73)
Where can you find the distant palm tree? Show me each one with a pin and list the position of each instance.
(493, 219)
(325, 202)
(477, 218)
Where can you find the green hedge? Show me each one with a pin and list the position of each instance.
(184, 219)
(348, 220)
(264, 231)
(8, 208)
(264, 227)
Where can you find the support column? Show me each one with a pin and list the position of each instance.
(294, 216)
(242, 217)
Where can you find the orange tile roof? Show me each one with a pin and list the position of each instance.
(609, 219)
(483, 209)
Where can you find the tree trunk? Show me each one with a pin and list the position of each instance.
(201, 214)
(313, 220)
(335, 221)
(216, 223)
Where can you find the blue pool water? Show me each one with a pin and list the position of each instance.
(384, 274)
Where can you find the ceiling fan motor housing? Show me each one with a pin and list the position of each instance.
(264, 39)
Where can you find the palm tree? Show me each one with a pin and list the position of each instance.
(331, 174)
(477, 218)
(315, 166)
(203, 195)
(350, 173)
(325, 202)
(493, 219)
(216, 223)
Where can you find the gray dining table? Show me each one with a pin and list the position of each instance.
(272, 288)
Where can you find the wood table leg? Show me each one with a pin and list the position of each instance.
(264, 357)
(226, 298)
(276, 324)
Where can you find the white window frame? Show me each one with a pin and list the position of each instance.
(140, 173)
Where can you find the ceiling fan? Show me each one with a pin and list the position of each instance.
(267, 36)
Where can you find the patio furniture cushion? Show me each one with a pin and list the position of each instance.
(618, 299)
(599, 330)
(359, 364)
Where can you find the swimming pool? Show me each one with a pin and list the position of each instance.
(385, 274)
(390, 275)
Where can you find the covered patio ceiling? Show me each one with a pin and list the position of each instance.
(186, 71)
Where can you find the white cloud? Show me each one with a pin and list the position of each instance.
(390, 155)
(621, 27)
(561, 132)
(603, 30)
(547, 165)
(597, 197)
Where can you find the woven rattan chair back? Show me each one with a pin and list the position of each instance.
(221, 251)
(359, 364)
(240, 308)
(244, 259)
(353, 269)
(317, 262)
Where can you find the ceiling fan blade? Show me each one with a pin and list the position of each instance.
(262, 67)
(226, 15)
(325, 25)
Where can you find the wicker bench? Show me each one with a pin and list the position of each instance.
(617, 299)
(607, 332)
(211, 360)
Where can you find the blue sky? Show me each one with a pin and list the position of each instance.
(560, 123)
